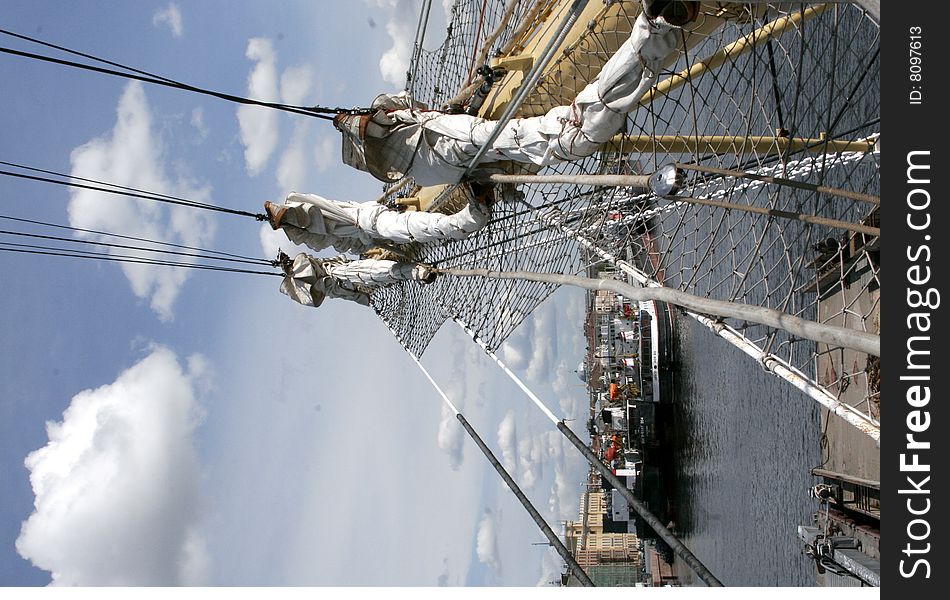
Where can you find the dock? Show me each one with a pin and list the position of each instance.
(846, 528)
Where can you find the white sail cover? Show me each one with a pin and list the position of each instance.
(319, 223)
(310, 280)
(449, 142)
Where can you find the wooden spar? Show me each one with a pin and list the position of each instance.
(737, 48)
(637, 181)
(395, 188)
(784, 214)
(802, 185)
(730, 144)
(868, 343)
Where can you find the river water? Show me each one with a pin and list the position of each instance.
(745, 442)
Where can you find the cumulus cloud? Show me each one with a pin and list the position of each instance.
(552, 566)
(486, 541)
(569, 391)
(532, 347)
(447, 6)
(402, 18)
(273, 241)
(568, 470)
(295, 84)
(117, 486)
(543, 344)
(296, 162)
(450, 437)
(530, 461)
(326, 152)
(170, 17)
(198, 122)
(572, 396)
(258, 125)
(451, 434)
(131, 155)
(508, 442)
(514, 352)
(308, 149)
(562, 501)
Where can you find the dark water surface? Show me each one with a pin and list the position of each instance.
(745, 442)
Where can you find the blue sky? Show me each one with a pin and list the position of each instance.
(200, 428)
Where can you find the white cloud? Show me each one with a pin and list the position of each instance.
(326, 152)
(272, 241)
(131, 155)
(117, 486)
(295, 84)
(306, 151)
(486, 541)
(543, 343)
(198, 122)
(447, 6)
(552, 566)
(568, 471)
(258, 125)
(561, 490)
(514, 351)
(458, 388)
(450, 437)
(569, 391)
(294, 167)
(170, 16)
(531, 348)
(402, 18)
(508, 442)
(530, 461)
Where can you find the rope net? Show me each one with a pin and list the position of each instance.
(786, 90)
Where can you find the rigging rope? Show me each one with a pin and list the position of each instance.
(421, 27)
(320, 112)
(39, 236)
(198, 253)
(476, 39)
(126, 237)
(53, 251)
(124, 191)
